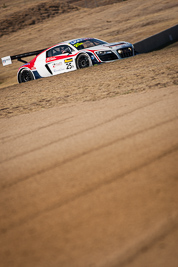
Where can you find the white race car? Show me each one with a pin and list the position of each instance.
(68, 56)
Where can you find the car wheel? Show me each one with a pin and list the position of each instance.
(83, 61)
(25, 76)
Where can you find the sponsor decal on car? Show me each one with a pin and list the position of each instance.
(68, 60)
(57, 64)
(79, 40)
(78, 44)
(50, 59)
(6, 60)
(58, 67)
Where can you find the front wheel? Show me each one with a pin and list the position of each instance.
(25, 76)
(83, 61)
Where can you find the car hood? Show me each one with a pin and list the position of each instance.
(112, 46)
(117, 45)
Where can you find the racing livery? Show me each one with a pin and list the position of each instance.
(68, 56)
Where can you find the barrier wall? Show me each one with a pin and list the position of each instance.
(158, 40)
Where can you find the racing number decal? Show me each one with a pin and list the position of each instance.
(69, 63)
(69, 66)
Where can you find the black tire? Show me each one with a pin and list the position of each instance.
(83, 61)
(25, 76)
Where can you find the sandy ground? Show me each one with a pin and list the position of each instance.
(92, 184)
(88, 162)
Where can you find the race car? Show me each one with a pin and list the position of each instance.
(68, 56)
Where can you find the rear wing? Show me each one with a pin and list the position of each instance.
(8, 60)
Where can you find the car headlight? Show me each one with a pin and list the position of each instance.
(127, 49)
(103, 52)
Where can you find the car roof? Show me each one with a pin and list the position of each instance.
(74, 41)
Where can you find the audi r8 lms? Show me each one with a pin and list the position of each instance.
(68, 56)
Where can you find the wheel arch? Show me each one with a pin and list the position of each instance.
(86, 54)
(20, 70)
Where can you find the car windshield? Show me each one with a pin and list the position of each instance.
(86, 43)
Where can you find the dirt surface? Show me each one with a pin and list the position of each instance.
(88, 162)
(15, 15)
(33, 15)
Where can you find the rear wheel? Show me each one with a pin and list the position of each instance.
(83, 61)
(25, 76)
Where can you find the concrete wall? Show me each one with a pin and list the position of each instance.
(158, 40)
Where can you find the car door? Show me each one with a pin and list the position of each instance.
(60, 59)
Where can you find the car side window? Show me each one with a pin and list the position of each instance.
(59, 50)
